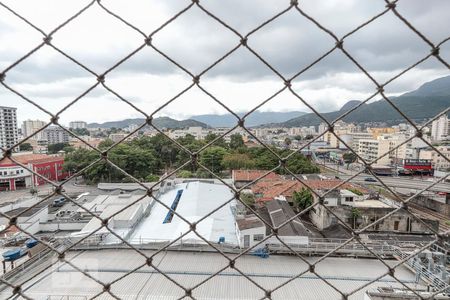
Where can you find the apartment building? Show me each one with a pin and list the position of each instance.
(30, 127)
(55, 135)
(378, 131)
(440, 128)
(197, 132)
(9, 135)
(344, 131)
(438, 161)
(372, 149)
(77, 125)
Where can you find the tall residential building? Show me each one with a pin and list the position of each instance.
(438, 162)
(321, 129)
(56, 135)
(77, 125)
(30, 127)
(8, 127)
(384, 150)
(440, 128)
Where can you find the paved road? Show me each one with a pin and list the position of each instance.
(402, 182)
(396, 182)
(70, 189)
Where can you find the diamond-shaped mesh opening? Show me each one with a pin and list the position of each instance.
(117, 219)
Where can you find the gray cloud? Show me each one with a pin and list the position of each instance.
(195, 40)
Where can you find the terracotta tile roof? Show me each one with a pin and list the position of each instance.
(268, 190)
(249, 223)
(251, 175)
(47, 159)
(23, 158)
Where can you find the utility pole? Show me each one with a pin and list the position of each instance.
(396, 164)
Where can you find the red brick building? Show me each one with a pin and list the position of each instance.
(14, 176)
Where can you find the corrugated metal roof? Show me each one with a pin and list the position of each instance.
(192, 268)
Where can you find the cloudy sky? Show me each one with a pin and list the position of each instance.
(195, 40)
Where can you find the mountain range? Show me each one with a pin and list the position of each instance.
(426, 102)
(256, 118)
(162, 122)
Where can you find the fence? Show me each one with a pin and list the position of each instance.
(242, 42)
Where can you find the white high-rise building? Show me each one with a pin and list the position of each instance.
(8, 127)
(30, 127)
(440, 128)
(77, 125)
(56, 135)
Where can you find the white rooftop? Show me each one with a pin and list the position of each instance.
(197, 200)
(370, 203)
(189, 269)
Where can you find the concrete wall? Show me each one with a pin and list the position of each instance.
(290, 240)
(55, 226)
(30, 227)
(250, 232)
(27, 202)
(424, 201)
(398, 222)
(122, 222)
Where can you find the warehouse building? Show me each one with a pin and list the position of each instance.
(189, 269)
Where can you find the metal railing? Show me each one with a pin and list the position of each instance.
(285, 85)
(422, 271)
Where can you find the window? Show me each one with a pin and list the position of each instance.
(348, 199)
(258, 237)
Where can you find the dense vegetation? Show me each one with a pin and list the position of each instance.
(147, 157)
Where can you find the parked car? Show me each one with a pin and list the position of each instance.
(59, 202)
(370, 179)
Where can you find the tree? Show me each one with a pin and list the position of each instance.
(298, 137)
(105, 144)
(263, 158)
(302, 199)
(26, 147)
(68, 149)
(186, 140)
(81, 131)
(355, 214)
(212, 158)
(247, 198)
(233, 161)
(349, 157)
(309, 137)
(192, 145)
(287, 142)
(185, 174)
(299, 164)
(220, 142)
(201, 173)
(55, 148)
(236, 141)
(152, 178)
(136, 161)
